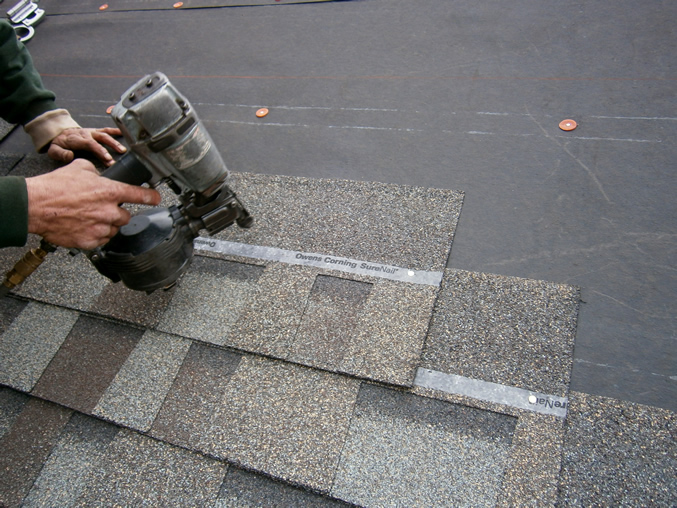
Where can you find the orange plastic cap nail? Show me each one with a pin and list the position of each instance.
(262, 112)
(568, 125)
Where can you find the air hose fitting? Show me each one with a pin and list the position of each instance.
(25, 266)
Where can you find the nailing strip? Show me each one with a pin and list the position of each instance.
(325, 261)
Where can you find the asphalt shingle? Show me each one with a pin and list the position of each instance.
(418, 450)
(382, 223)
(64, 280)
(9, 310)
(138, 470)
(86, 363)
(242, 489)
(272, 366)
(137, 307)
(134, 397)
(11, 405)
(81, 448)
(26, 446)
(7, 161)
(618, 454)
(30, 343)
(532, 475)
(382, 330)
(506, 330)
(210, 298)
(331, 315)
(195, 395)
(282, 419)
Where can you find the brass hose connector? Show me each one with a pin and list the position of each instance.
(26, 266)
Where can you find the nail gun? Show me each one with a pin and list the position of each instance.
(168, 144)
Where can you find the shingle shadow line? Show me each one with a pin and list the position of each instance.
(201, 453)
(256, 354)
(237, 465)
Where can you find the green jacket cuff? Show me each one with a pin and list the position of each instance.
(13, 211)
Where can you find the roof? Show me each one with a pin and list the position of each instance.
(510, 337)
(280, 376)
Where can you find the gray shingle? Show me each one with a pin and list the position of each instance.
(119, 302)
(385, 223)
(618, 454)
(505, 330)
(9, 310)
(140, 471)
(242, 489)
(195, 395)
(86, 363)
(11, 405)
(65, 280)
(406, 450)
(134, 397)
(26, 446)
(209, 299)
(285, 420)
(30, 343)
(80, 449)
(329, 322)
(381, 333)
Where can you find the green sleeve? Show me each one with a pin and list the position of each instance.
(13, 211)
(22, 94)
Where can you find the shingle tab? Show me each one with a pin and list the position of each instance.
(242, 488)
(30, 343)
(195, 395)
(419, 451)
(9, 310)
(383, 223)
(618, 454)
(381, 333)
(139, 388)
(505, 330)
(25, 448)
(138, 470)
(86, 363)
(81, 448)
(65, 280)
(7, 161)
(329, 321)
(11, 405)
(532, 476)
(285, 420)
(210, 298)
(120, 302)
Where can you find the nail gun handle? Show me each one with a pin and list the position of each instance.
(129, 169)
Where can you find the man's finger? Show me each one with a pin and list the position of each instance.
(113, 231)
(138, 195)
(107, 139)
(60, 154)
(112, 131)
(123, 217)
(93, 146)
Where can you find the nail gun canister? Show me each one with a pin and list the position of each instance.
(166, 133)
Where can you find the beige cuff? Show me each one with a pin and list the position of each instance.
(44, 128)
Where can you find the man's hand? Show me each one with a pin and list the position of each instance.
(91, 140)
(75, 207)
